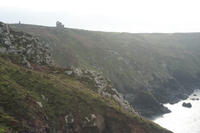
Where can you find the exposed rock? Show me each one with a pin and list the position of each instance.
(187, 105)
(3, 50)
(44, 98)
(147, 105)
(26, 63)
(93, 116)
(30, 49)
(69, 119)
(78, 71)
(101, 84)
(90, 121)
(40, 104)
(68, 72)
(194, 99)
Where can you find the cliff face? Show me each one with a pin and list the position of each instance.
(145, 68)
(43, 98)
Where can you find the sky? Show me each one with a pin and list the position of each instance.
(136, 16)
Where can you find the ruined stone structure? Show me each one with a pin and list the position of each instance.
(59, 25)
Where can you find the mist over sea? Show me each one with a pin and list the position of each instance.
(182, 119)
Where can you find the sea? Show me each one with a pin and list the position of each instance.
(182, 119)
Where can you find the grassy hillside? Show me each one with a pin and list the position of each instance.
(164, 66)
(45, 102)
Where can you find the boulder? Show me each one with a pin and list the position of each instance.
(69, 72)
(69, 119)
(40, 104)
(193, 99)
(187, 105)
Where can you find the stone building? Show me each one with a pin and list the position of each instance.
(59, 25)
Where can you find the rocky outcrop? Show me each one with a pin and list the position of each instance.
(101, 84)
(29, 49)
(187, 105)
(146, 105)
(194, 99)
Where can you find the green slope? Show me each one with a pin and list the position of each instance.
(32, 101)
(164, 66)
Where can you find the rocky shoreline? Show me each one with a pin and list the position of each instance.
(150, 105)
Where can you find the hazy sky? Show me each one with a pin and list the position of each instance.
(107, 15)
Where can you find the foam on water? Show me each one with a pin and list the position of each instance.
(181, 119)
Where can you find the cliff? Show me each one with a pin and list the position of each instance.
(145, 68)
(43, 98)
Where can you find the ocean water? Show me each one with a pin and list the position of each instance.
(181, 119)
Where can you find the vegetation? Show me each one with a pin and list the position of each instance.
(165, 65)
(33, 101)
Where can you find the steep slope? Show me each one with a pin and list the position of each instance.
(42, 98)
(37, 102)
(148, 69)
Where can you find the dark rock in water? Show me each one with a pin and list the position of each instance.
(194, 94)
(188, 105)
(195, 99)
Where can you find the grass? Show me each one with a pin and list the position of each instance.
(21, 89)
